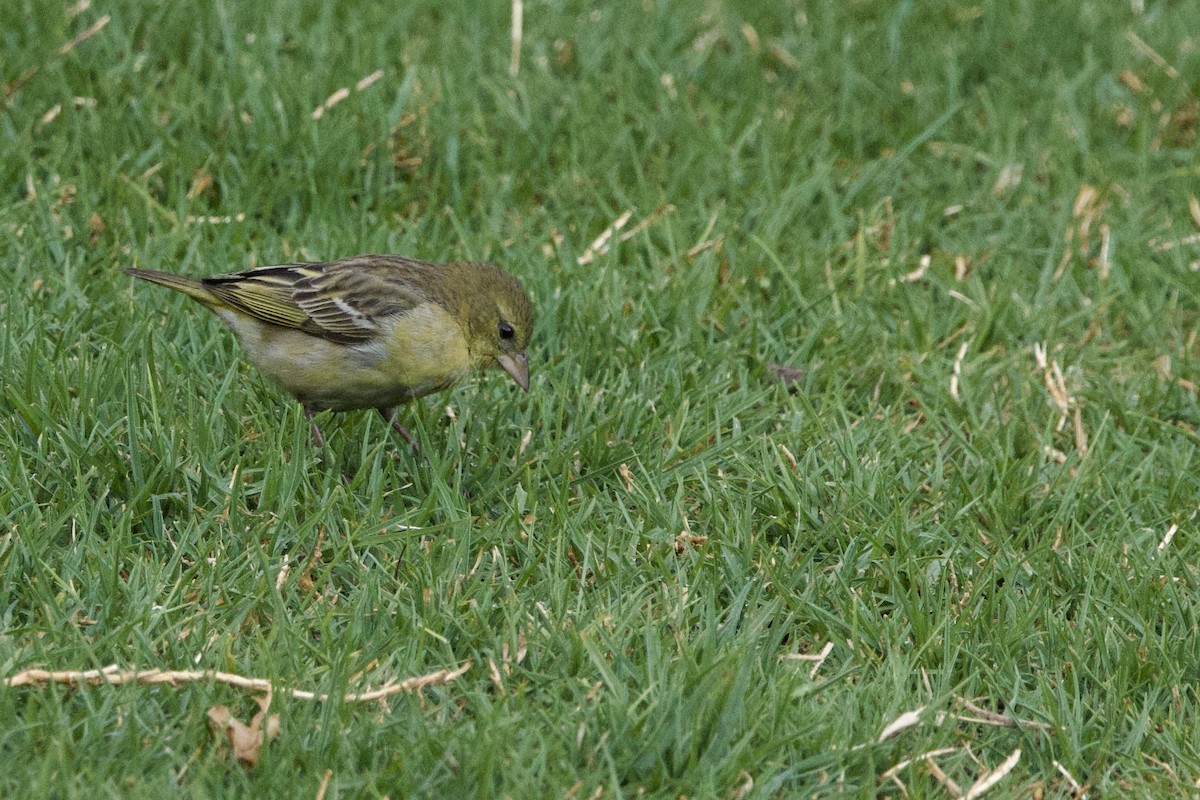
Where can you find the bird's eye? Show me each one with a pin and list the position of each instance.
(506, 331)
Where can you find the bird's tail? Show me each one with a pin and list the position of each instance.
(189, 286)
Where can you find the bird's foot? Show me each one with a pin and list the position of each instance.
(317, 437)
(400, 429)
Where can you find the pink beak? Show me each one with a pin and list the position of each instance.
(516, 366)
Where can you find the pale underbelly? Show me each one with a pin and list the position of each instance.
(325, 375)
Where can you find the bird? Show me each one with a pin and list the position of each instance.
(369, 331)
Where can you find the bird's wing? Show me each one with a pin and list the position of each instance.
(343, 301)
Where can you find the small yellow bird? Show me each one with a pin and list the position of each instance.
(371, 331)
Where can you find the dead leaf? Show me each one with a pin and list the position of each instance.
(244, 740)
(627, 476)
(201, 181)
(786, 375)
(96, 226)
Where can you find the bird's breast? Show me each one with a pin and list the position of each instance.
(418, 352)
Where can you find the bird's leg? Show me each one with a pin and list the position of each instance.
(318, 439)
(390, 416)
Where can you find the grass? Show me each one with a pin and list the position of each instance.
(695, 578)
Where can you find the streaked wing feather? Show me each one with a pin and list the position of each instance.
(341, 301)
(346, 300)
(264, 293)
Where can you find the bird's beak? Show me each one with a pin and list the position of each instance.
(517, 366)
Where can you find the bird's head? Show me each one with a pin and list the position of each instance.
(499, 321)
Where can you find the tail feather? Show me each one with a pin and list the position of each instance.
(189, 286)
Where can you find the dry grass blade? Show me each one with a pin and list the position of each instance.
(990, 779)
(1162, 246)
(1088, 207)
(368, 80)
(518, 15)
(918, 273)
(953, 788)
(817, 660)
(650, 219)
(704, 242)
(791, 458)
(13, 86)
(895, 769)
(1070, 778)
(344, 92)
(903, 722)
(1152, 54)
(1166, 540)
(1105, 257)
(216, 219)
(599, 245)
(331, 101)
(956, 371)
(324, 787)
(988, 717)
(82, 37)
(497, 678)
(113, 675)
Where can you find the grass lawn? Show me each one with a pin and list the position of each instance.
(867, 431)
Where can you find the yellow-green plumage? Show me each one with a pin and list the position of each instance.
(370, 331)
